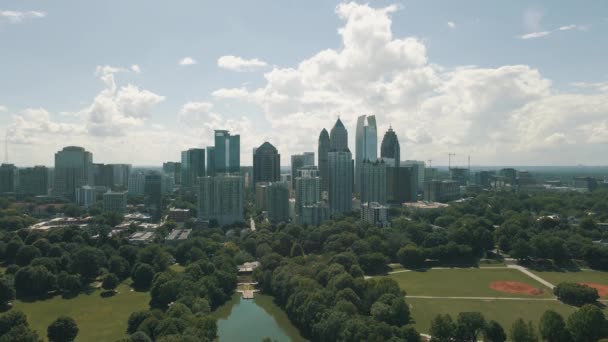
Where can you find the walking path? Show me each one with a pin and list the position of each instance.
(532, 275)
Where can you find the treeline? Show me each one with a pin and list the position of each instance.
(182, 301)
(66, 261)
(329, 300)
(587, 324)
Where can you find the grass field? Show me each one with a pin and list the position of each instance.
(463, 282)
(588, 276)
(98, 318)
(504, 312)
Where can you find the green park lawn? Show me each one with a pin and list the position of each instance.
(504, 312)
(98, 318)
(585, 276)
(463, 282)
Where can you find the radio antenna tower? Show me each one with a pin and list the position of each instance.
(450, 154)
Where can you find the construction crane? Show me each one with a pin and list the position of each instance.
(450, 155)
(430, 163)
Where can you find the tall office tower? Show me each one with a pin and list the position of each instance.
(373, 182)
(193, 167)
(9, 178)
(338, 137)
(211, 161)
(221, 199)
(153, 195)
(137, 183)
(266, 164)
(297, 162)
(73, 169)
(174, 169)
(85, 196)
(401, 185)
(308, 188)
(103, 175)
(366, 145)
(340, 181)
(227, 152)
(390, 151)
(121, 174)
(115, 202)
(278, 202)
(309, 158)
(323, 149)
(419, 167)
(34, 181)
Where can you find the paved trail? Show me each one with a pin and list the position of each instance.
(532, 275)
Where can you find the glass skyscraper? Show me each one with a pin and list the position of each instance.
(227, 152)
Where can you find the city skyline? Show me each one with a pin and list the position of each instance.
(503, 100)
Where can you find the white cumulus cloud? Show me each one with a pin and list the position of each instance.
(451, 24)
(187, 61)
(15, 17)
(240, 64)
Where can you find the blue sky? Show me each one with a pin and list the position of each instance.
(509, 82)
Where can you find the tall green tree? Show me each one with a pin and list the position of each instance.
(63, 329)
(522, 332)
(443, 328)
(553, 327)
(586, 324)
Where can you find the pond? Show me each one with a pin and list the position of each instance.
(253, 320)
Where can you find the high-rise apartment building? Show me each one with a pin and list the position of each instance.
(373, 182)
(366, 145)
(227, 152)
(34, 181)
(221, 199)
(266, 164)
(375, 214)
(9, 178)
(323, 150)
(192, 167)
(308, 188)
(299, 161)
(73, 169)
(390, 151)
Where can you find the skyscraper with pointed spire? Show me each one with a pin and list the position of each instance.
(366, 145)
(323, 161)
(390, 150)
(338, 137)
(340, 165)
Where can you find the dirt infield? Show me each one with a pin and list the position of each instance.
(515, 287)
(602, 290)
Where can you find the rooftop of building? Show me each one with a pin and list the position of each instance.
(425, 205)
